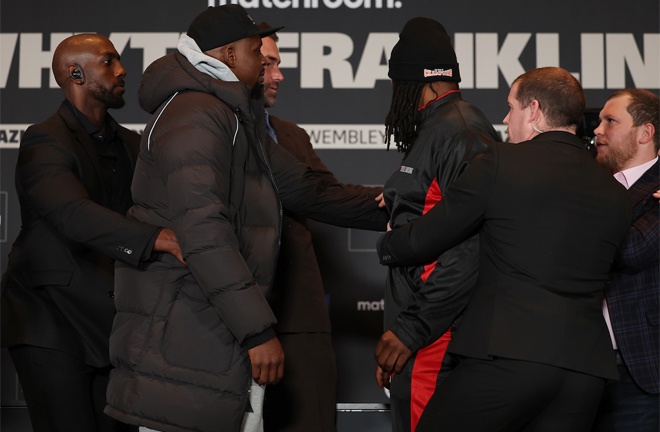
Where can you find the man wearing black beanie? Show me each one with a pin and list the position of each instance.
(439, 134)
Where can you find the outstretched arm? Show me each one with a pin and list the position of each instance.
(454, 219)
(321, 197)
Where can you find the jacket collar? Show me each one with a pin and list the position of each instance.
(84, 141)
(86, 123)
(561, 137)
(425, 112)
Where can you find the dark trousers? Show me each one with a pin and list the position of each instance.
(627, 408)
(511, 395)
(62, 393)
(306, 398)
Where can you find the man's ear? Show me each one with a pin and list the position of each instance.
(534, 111)
(230, 55)
(646, 133)
(75, 73)
(225, 53)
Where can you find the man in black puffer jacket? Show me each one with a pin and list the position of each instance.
(188, 340)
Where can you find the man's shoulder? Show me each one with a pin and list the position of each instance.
(196, 104)
(652, 174)
(288, 132)
(460, 118)
(55, 128)
(649, 182)
(293, 139)
(285, 125)
(53, 122)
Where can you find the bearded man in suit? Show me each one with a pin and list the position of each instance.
(73, 180)
(627, 143)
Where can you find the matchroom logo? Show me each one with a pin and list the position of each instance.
(377, 305)
(311, 4)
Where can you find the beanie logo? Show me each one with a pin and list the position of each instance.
(438, 72)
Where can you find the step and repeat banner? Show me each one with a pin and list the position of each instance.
(334, 58)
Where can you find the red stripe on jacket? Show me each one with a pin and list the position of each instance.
(428, 360)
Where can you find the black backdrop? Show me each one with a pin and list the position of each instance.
(334, 56)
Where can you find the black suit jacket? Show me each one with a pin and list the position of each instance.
(550, 220)
(298, 297)
(633, 289)
(58, 288)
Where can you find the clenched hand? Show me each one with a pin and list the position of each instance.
(391, 354)
(267, 362)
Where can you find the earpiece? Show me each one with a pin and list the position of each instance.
(77, 73)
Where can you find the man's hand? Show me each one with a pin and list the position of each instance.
(381, 200)
(382, 378)
(267, 362)
(656, 194)
(167, 242)
(391, 353)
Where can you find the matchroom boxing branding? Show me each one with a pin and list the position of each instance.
(342, 61)
(370, 306)
(311, 4)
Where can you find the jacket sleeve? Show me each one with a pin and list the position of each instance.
(639, 249)
(195, 162)
(47, 178)
(319, 167)
(320, 196)
(445, 286)
(441, 298)
(300, 146)
(453, 220)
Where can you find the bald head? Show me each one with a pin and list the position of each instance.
(87, 68)
(76, 50)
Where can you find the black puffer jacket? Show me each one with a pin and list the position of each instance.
(181, 333)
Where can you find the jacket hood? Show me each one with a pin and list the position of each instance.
(174, 73)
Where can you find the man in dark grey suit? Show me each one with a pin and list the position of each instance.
(628, 143)
(73, 180)
(534, 344)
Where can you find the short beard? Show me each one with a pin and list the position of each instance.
(617, 158)
(105, 96)
(269, 101)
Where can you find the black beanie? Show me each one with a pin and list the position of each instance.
(424, 53)
(222, 25)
